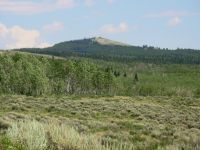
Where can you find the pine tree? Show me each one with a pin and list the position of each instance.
(136, 77)
(125, 75)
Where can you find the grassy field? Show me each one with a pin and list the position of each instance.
(99, 123)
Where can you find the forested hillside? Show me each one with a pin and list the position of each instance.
(100, 48)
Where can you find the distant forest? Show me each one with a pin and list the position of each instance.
(91, 49)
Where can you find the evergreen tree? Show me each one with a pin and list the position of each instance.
(125, 75)
(136, 77)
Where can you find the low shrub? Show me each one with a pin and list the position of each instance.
(35, 135)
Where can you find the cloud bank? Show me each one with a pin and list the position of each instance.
(31, 7)
(18, 37)
(174, 17)
(110, 28)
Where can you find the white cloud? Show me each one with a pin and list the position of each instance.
(30, 7)
(174, 17)
(45, 44)
(55, 26)
(175, 21)
(167, 14)
(123, 27)
(89, 3)
(3, 30)
(65, 3)
(110, 28)
(18, 37)
(22, 37)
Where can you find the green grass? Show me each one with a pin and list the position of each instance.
(144, 122)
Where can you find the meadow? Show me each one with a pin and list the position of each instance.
(102, 123)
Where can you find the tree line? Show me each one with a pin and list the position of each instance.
(37, 75)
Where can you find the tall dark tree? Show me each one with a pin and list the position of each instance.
(125, 75)
(136, 77)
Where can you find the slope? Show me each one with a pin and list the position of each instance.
(105, 49)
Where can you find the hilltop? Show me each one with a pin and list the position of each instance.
(104, 41)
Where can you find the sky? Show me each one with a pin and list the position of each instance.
(42, 23)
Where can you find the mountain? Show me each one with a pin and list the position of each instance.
(105, 49)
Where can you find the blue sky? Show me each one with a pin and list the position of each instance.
(41, 23)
